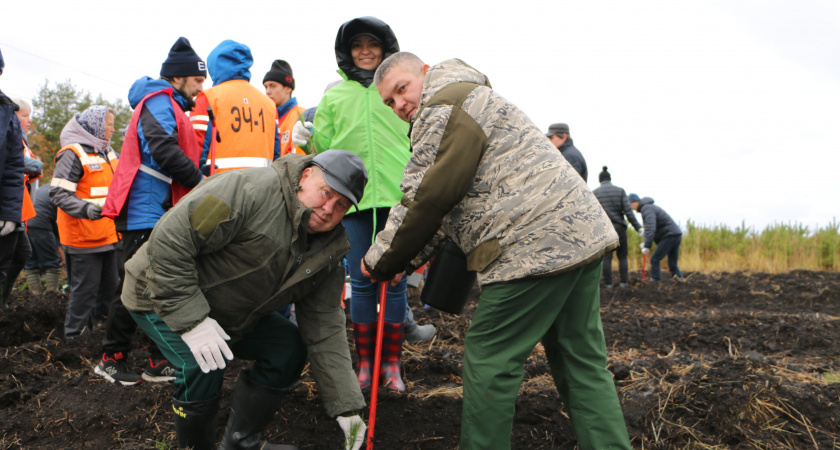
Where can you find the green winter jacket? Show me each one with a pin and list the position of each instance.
(353, 117)
(235, 249)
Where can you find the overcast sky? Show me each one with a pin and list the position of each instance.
(723, 111)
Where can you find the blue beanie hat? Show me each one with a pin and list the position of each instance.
(183, 61)
(633, 198)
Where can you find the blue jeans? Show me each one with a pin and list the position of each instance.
(670, 247)
(364, 293)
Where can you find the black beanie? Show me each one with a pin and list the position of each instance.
(2, 63)
(281, 72)
(183, 61)
(604, 176)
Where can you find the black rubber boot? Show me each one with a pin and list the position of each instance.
(195, 423)
(252, 408)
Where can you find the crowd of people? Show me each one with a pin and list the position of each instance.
(231, 218)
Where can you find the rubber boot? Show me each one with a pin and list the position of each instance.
(195, 423)
(53, 276)
(6, 292)
(365, 336)
(392, 341)
(33, 282)
(252, 408)
(3, 304)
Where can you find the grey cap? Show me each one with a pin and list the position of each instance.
(556, 128)
(345, 172)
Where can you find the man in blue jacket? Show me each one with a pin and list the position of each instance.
(11, 182)
(161, 139)
(659, 228)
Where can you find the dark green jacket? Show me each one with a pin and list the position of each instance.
(235, 249)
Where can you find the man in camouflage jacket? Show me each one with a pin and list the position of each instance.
(483, 175)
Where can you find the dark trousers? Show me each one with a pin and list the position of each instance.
(120, 327)
(622, 257)
(93, 281)
(19, 256)
(670, 247)
(44, 253)
(274, 345)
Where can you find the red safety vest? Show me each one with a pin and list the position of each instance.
(130, 161)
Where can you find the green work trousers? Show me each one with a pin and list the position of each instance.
(563, 312)
(274, 345)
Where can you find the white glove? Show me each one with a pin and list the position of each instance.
(355, 431)
(7, 227)
(207, 344)
(645, 250)
(642, 231)
(302, 133)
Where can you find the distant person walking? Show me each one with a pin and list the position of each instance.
(558, 134)
(661, 229)
(615, 202)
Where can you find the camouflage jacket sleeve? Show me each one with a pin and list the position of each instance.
(447, 146)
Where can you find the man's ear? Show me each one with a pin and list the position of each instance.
(424, 69)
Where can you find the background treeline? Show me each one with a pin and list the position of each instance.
(53, 107)
(778, 248)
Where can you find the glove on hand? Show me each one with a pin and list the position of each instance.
(355, 431)
(6, 227)
(642, 231)
(302, 133)
(645, 250)
(207, 344)
(94, 212)
(205, 169)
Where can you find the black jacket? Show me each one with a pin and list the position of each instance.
(11, 162)
(353, 28)
(574, 157)
(614, 201)
(658, 224)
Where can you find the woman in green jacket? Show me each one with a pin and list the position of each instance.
(351, 116)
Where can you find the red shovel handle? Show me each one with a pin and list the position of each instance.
(377, 360)
(644, 264)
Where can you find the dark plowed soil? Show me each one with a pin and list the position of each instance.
(721, 361)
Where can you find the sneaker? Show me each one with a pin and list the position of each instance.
(114, 368)
(608, 286)
(420, 333)
(160, 372)
(622, 285)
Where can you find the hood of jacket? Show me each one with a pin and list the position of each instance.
(645, 201)
(569, 143)
(449, 72)
(75, 133)
(362, 25)
(230, 60)
(146, 85)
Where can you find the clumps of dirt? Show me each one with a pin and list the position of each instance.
(721, 361)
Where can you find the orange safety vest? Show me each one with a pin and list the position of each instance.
(284, 130)
(28, 209)
(93, 188)
(243, 121)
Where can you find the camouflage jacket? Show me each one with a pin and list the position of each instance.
(484, 175)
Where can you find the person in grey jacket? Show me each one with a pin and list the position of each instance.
(220, 264)
(661, 229)
(483, 175)
(558, 134)
(614, 201)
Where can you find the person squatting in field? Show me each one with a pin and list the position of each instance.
(483, 175)
(219, 265)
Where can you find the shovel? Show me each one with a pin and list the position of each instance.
(377, 360)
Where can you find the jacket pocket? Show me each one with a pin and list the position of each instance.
(483, 255)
